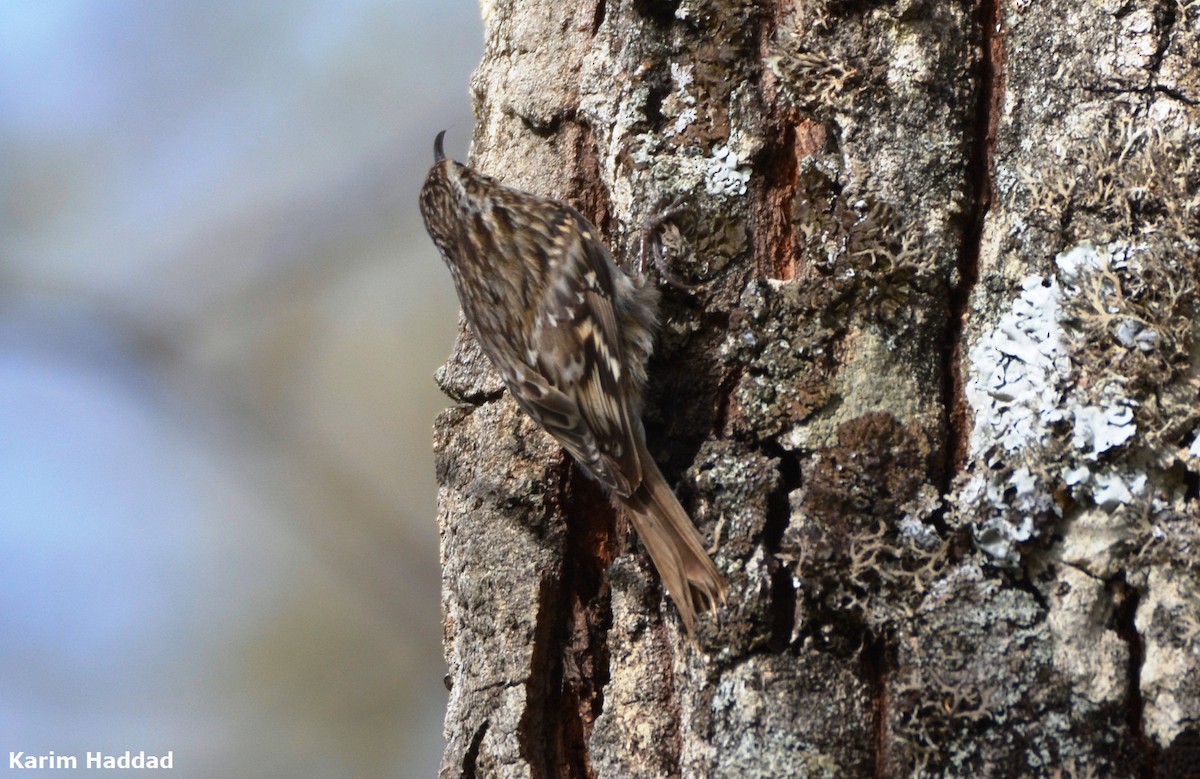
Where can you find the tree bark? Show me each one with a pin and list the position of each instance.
(932, 395)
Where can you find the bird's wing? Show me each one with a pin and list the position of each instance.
(574, 384)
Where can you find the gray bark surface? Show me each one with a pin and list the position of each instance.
(933, 396)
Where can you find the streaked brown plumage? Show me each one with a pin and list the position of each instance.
(569, 333)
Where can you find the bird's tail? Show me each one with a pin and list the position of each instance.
(674, 544)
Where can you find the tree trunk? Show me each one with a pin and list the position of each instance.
(932, 395)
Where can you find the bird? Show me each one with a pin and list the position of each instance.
(569, 333)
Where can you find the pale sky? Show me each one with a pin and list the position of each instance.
(219, 319)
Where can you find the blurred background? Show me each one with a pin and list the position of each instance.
(219, 321)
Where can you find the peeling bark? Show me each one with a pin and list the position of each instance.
(932, 395)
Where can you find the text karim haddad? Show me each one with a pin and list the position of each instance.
(125, 759)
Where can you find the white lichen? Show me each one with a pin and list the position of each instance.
(1099, 428)
(725, 177)
(914, 524)
(1022, 388)
(1132, 333)
(1017, 372)
(683, 121)
(681, 78)
(1020, 500)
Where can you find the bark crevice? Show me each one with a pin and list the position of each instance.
(591, 544)
(874, 663)
(774, 237)
(541, 723)
(779, 516)
(471, 755)
(990, 94)
(1127, 598)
